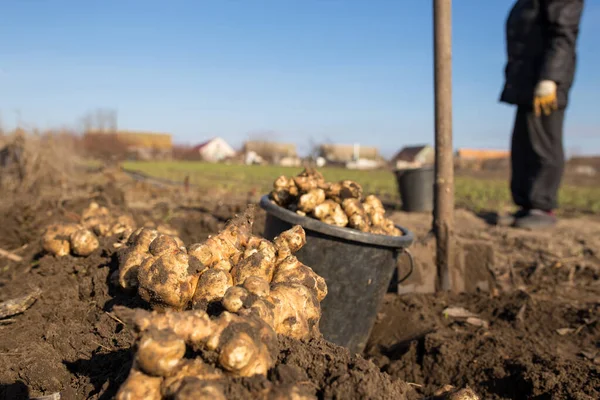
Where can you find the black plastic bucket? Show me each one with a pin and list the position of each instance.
(357, 267)
(416, 188)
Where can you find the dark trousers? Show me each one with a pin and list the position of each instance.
(537, 159)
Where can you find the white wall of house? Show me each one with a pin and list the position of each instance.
(216, 150)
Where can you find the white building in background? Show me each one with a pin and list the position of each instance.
(214, 150)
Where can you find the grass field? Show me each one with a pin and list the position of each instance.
(476, 194)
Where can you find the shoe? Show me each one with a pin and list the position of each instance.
(535, 219)
(509, 220)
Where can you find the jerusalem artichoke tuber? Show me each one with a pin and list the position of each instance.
(83, 242)
(211, 286)
(159, 352)
(291, 270)
(139, 386)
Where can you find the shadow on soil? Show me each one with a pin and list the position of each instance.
(106, 371)
(14, 391)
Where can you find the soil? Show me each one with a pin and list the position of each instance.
(540, 337)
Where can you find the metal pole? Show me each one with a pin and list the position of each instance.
(443, 216)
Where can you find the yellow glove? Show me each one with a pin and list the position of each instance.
(544, 99)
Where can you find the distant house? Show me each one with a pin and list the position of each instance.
(213, 150)
(481, 154)
(271, 152)
(351, 155)
(478, 159)
(414, 157)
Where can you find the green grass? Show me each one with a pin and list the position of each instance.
(476, 194)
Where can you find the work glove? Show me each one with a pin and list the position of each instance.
(544, 99)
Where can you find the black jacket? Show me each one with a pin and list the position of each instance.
(541, 38)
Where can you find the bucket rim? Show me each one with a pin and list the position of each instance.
(397, 242)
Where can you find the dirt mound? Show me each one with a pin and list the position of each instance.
(523, 354)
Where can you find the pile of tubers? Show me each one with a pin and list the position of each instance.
(229, 296)
(173, 350)
(340, 203)
(239, 272)
(81, 239)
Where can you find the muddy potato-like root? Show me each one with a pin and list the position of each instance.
(291, 270)
(95, 215)
(194, 368)
(139, 386)
(124, 224)
(260, 263)
(284, 191)
(166, 282)
(211, 286)
(226, 245)
(133, 256)
(56, 239)
(289, 242)
(257, 286)
(250, 300)
(296, 310)
(142, 238)
(331, 213)
(193, 326)
(192, 388)
(163, 244)
(83, 242)
(308, 180)
(357, 216)
(247, 346)
(130, 260)
(159, 352)
(343, 190)
(234, 298)
(309, 201)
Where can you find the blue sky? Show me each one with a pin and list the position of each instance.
(341, 70)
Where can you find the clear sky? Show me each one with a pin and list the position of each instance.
(337, 70)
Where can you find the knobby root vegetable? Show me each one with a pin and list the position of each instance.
(192, 388)
(245, 346)
(344, 190)
(102, 222)
(291, 270)
(190, 369)
(331, 213)
(166, 282)
(139, 386)
(296, 310)
(62, 239)
(159, 352)
(339, 203)
(83, 242)
(211, 286)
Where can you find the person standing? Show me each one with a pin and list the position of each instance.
(541, 37)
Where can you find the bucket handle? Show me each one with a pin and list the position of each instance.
(411, 264)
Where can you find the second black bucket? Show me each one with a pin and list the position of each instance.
(357, 268)
(416, 188)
